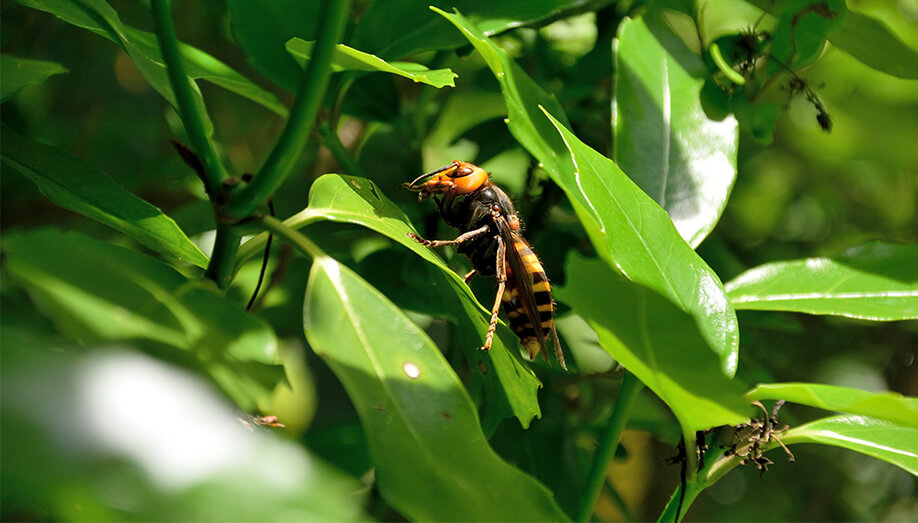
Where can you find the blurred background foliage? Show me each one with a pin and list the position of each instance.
(807, 193)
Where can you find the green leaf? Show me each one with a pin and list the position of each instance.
(432, 459)
(131, 437)
(19, 73)
(349, 199)
(873, 44)
(141, 46)
(657, 342)
(876, 281)
(262, 27)
(888, 406)
(82, 188)
(801, 32)
(628, 229)
(877, 438)
(870, 41)
(98, 291)
(396, 28)
(664, 140)
(349, 59)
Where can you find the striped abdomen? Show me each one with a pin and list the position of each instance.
(520, 323)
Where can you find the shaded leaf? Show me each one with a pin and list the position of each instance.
(349, 199)
(888, 406)
(869, 40)
(98, 291)
(873, 44)
(143, 49)
(876, 438)
(629, 230)
(432, 460)
(262, 27)
(347, 58)
(801, 32)
(82, 188)
(657, 342)
(19, 73)
(73, 420)
(876, 281)
(664, 140)
(395, 28)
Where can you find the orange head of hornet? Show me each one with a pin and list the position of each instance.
(456, 179)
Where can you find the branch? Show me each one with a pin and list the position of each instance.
(181, 88)
(627, 395)
(287, 149)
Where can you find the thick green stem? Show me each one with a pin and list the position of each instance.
(181, 88)
(287, 149)
(627, 395)
(226, 244)
(300, 242)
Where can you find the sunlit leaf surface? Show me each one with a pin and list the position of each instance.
(414, 408)
(880, 439)
(877, 281)
(881, 405)
(664, 141)
(656, 341)
(349, 59)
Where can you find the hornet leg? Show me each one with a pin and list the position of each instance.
(501, 266)
(468, 277)
(464, 237)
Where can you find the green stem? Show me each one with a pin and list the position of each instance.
(181, 88)
(339, 151)
(256, 243)
(302, 243)
(691, 492)
(226, 244)
(627, 395)
(287, 149)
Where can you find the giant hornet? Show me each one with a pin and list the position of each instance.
(491, 237)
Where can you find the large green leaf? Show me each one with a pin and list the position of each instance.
(19, 73)
(142, 47)
(664, 140)
(261, 27)
(113, 435)
(629, 230)
(82, 188)
(349, 199)
(888, 406)
(657, 342)
(395, 28)
(349, 59)
(802, 30)
(432, 459)
(98, 291)
(877, 281)
(877, 438)
(869, 40)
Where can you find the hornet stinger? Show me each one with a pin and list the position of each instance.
(491, 237)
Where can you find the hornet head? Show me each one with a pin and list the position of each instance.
(456, 179)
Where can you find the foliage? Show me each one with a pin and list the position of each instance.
(722, 193)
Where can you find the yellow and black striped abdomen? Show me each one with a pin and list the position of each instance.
(521, 324)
